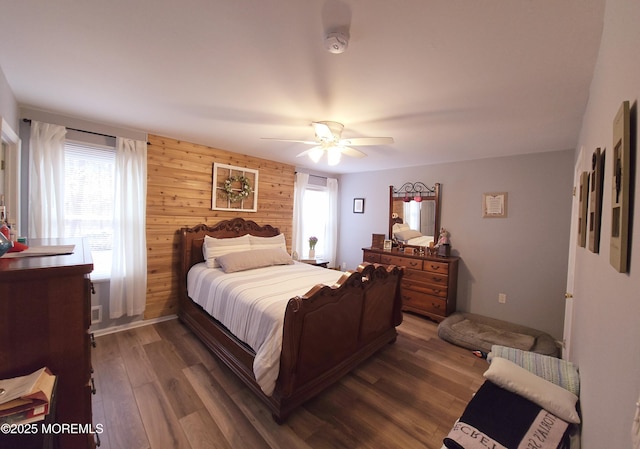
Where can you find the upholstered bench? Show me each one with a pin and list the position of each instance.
(479, 333)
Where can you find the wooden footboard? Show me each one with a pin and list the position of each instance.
(327, 332)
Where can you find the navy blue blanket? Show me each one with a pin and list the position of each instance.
(496, 418)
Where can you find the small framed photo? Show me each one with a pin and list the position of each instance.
(358, 205)
(388, 244)
(494, 205)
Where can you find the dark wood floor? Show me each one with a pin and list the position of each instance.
(158, 387)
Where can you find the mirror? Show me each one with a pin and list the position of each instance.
(418, 206)
(10, 176)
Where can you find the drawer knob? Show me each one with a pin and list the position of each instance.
(436, 306)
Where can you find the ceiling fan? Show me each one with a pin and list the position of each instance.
(329, 139)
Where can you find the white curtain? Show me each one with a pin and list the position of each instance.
(298, 242)
(46, 180)
(332, 222)
(129, 268)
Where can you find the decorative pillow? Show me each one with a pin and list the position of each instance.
(255, 258)
(555, 370)
(400, 227)
(277, 241)
(547, 395)
(213, 248)
(407, 234)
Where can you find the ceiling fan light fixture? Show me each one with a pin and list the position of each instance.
(336, 42)
(315, 154)
(333, 155)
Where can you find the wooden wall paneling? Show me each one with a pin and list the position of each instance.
(179, 185)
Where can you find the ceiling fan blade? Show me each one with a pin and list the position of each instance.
(322, 131)
(352, 152)
(308, 142)
(367, 141)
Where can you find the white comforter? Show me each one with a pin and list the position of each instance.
(251, 304)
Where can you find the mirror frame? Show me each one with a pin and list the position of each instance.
(12, 173)
(412, 190)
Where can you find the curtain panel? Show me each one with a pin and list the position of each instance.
(298, 242)
(129, 267)
(46, 180)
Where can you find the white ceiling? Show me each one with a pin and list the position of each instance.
(449, 80)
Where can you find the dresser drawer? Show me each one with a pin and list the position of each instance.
(371, 257)
(436, 267)
(416, 264)
(435, 278)
(423, 287)
(420, 302)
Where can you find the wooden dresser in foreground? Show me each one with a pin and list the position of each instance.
(44, 321)
(429, 285)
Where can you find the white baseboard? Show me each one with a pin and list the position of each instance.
(135, 324)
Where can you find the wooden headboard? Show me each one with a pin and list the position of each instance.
(192, 239)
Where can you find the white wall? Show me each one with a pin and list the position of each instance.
(8, 104)
(606, 324)
(524, 255)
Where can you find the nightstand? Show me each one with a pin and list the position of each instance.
(316, 262)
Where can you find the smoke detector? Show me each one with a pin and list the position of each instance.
(336, 42)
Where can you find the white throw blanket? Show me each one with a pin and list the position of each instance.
(252, 303)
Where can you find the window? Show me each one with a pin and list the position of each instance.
(89, 200)
(315, 219)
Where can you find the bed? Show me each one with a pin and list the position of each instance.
(403, 233)
(328, 328)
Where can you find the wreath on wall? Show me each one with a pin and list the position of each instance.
(237, 195)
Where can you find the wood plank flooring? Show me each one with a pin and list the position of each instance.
(158, 387)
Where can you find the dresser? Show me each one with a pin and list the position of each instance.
(430, 283)
(44, 321)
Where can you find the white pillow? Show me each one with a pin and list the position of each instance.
(547, 395)
(400, 227)
(213, 247)
(256, 258)
(407, 234)
(277, 241)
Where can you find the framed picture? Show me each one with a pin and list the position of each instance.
(358, 205)
(388, 244)
(596, 179)
(234, 188)
(583, 199)
(494, 205)
(620, 189)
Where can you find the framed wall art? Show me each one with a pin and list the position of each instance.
(494, 205)
(583, 208)
(620, 189)
(358, 205)
(596, 180)
(234, 188)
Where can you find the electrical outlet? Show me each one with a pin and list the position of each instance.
(344, 266)
(96, 314)
(502, 298)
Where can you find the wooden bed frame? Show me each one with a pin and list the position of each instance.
(327, 332)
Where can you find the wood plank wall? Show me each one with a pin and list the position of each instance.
(179, 182)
